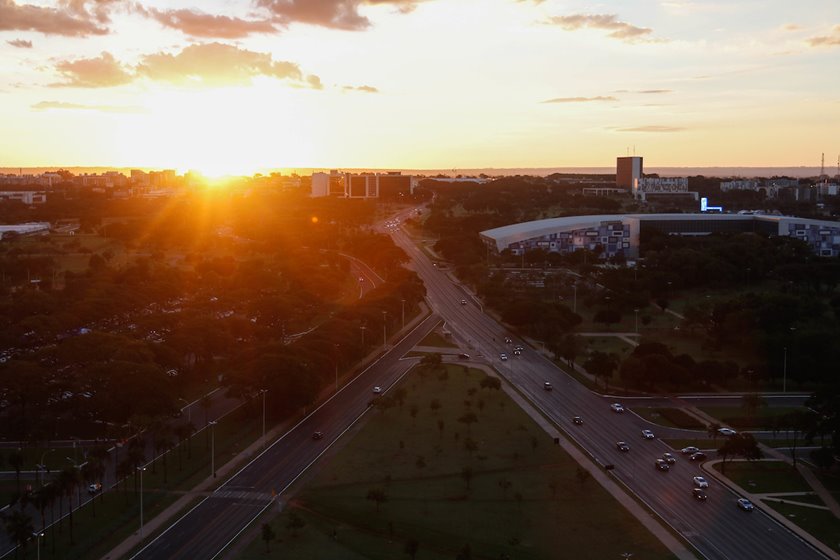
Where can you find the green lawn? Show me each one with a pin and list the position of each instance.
(765, 477)
(523, 498)
(736, 416)
(671, 417)
(821, 524)
(804, 498)
(436, 340)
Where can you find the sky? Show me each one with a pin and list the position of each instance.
(235, 86)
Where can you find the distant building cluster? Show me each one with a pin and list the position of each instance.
(619, 235)
(389, 185)
(787, 188)
(629, 177)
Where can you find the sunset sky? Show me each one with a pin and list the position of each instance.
(232, 86)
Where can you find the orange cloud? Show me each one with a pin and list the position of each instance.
(104, 71)
(832, 40)
(336, 14)
(45, 105)
(216, 64)
(199, 24)
(365, 89)
(581, 99)
(49, 21)
(609, 22)
(20, 43)
(651, 128)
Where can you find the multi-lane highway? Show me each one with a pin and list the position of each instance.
(716, 527)
(206, 530)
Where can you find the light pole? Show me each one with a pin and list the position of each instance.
(141, 469)
(38, 536)
(263, 392)
(403, 313)
(212, 424)
(189, 409)
(384, 329)
(41, 466)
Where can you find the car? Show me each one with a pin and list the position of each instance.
(503, 357)
(647, 434)
(508, 340)
(617, 407)
(318, 435)
(464, 356)
(699, 456)
(668, 458)
(463, 302)
(577, 420)
(622, 446)
(662, 465)
(94, 488)
(690, 450)
(519, 347)
(745, 504)
(547, 386)
(361, 279)
(377, 390)
(700, 482)
(517, 352)
(699, 494)
(726, 432)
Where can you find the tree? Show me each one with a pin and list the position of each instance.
(18, 526)
(607, 317)
(505, 485)
(413, 410)
(582, 475)
(601, 365)
(268, 535)
(467, 475)
(377, 495)
(468, 419)
(441, 425)
(294, 524)
(16, 462)
(492, 383)
(67, 481)
(411, 547)
(712, 430)
(751, 402)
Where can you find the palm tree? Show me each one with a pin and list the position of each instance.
(16, 462)
(712, 430)
(68, 480)
(268, 535)
(18, 526)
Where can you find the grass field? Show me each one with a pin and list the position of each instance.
(765, 477)
(736, 416)
(519, 498)
(436, 340)
(671, 417)
(820, 523)
(804, 498)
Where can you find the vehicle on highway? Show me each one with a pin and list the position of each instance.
(464, 356)
(726, 432)
(745, 504)
(617, 407)
(577, 420)
(690, 450)
(699, 456)
(503, 357)
(647, 434)
(377, 390)
(668, 458)
(699, 494)
(517, 352)
(94, 488)
(361, 279)
(318, 435)
(662, 465)
(463, 302)
(547, 386)
(700, 482)
(519, 347)
(508, 340)
(622, 446)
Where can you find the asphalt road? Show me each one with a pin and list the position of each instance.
(716, 527)
(207, 529)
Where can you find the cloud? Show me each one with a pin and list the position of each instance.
(607, 22)
(335, 14)
(655, 91)
(832, 40)
(651, 128)
(216, 64)
(20, 43)
(45, 105)
(198, 24)
(365, 89)
(104, 71)
(791, 27)
(71, 18)
(581, 99)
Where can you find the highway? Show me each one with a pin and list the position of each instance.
(716, 527)
(206, 530)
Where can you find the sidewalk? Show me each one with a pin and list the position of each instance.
(779, 518)
(649, 521)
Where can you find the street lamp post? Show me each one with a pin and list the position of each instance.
(38, 536)
(212, 424)
(141, 469)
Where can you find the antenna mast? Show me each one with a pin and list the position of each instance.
(822, 166)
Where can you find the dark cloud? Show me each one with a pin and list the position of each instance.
(199, 24)
(46, 105)
(336, 14)
(103, 71)
(652, 128)
(832, 40)
(365, 89)
(71, 18)
(20, 43)
(581, 99)
(216, 64)
(609, 22)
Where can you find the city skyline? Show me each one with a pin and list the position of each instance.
(233, 87)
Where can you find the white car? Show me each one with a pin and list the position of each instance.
(617, 407)
(503, 357)
(690, 450)
(700, 482)
(377, 390)
(726, 432)
(745, 504)
(647, 434)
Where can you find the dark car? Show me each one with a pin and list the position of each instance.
(547, 386)
(318, 435)
(662, 465)
(668, 458)
(622, 446)
(699, 456)
(699, 494)
(745, 504)
(577, 420)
